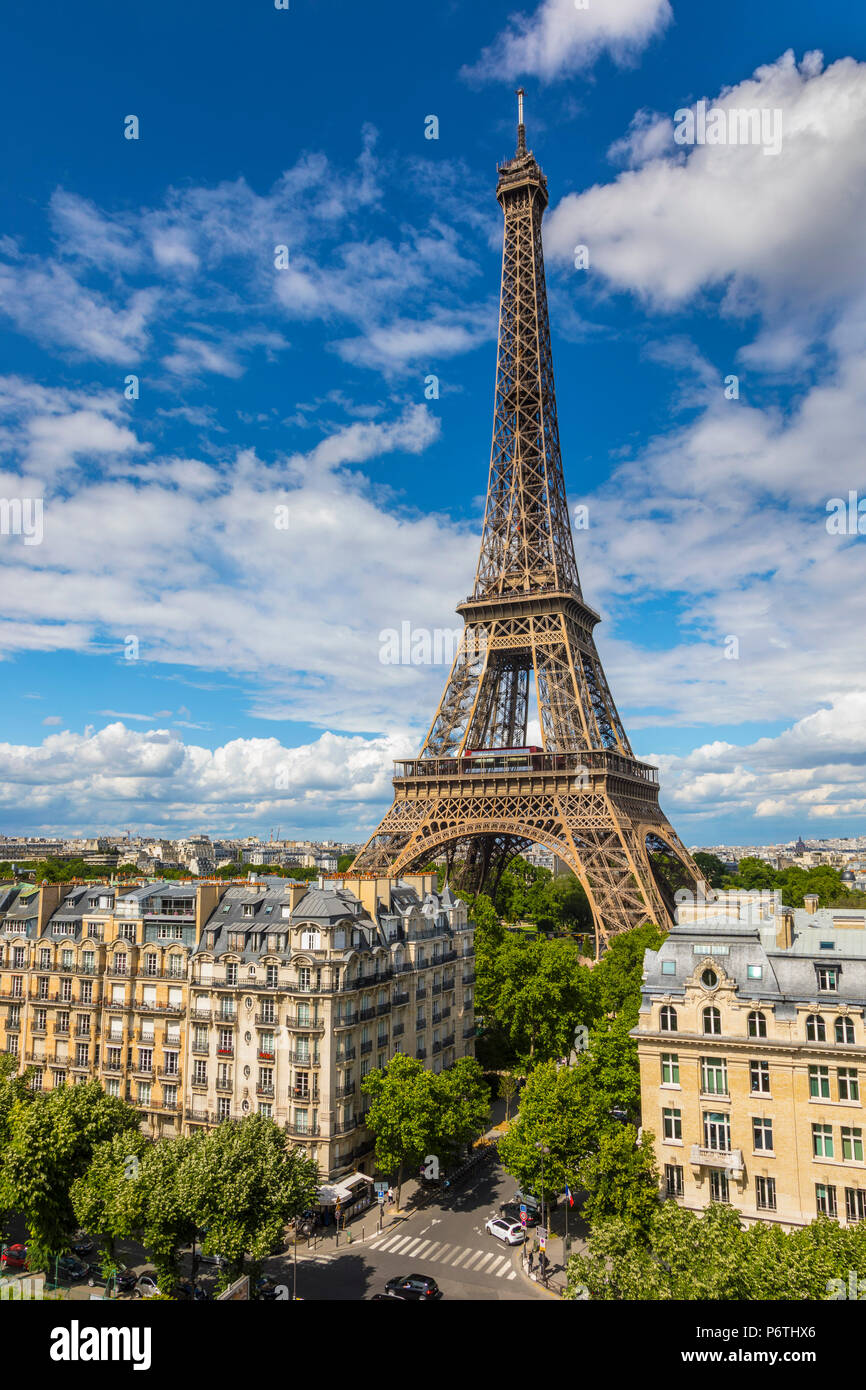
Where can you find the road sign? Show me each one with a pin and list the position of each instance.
(523, 1217)
(381, 1187)
(541, 1232)
(542, 1243)
(380, 1198)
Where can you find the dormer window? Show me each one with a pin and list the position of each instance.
(249, 909)
(828, 977)
(311, 940)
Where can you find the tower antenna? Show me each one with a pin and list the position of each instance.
(521, 128)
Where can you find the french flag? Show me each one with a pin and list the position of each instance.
(569, 1196)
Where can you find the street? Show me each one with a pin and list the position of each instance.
(445, 1239)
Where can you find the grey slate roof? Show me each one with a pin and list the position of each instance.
(787, 974)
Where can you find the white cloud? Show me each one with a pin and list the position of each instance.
(768, 229)
(561, 38)
(812, 771)
(117, 776)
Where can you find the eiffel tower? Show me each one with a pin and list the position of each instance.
(478, 793)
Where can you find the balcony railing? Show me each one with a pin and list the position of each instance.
(449, 1041)
(301, 1131)
(598, 761)
(401, 997)
(367, 1014)
(346, 1126)
(266, 1091)
(366, 1047)
(267, 1019)
(346, 1021)
(730, 1159)
(310, 1096)
(469, 977)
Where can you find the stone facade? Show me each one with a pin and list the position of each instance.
(752, 1047)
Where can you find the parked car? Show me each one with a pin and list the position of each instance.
(510, 1231)
(532, 1203)
(192, 1293)
(81, 1247)
(13, 1257)
(511, 1211)
(388, 1298)
(71, 1268)
(146, 1286)
(125, 1279)
(218, 1260)
(417, 1288)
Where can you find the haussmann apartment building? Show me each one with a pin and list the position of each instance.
(202, 1001)
(752, 1047)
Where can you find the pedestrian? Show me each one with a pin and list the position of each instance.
(531, 1257)
(390, 1196)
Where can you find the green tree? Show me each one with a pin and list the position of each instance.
(169, 1221)
(712, 1256)
(551, 1116)
(51, 1140)
(619, 973)
(620, 1178)
(509, 1087)
(463, 1101)
(712, 869)
(538, 992)
(402, 1115)
(110, 1199)
(242, 1183)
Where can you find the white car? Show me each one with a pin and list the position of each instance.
(510, 1231)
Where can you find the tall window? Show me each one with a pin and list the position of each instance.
(670, 1069)
(852, 1144)
(828, 977)
(199, 1073)
(718, 1185)
(765, 1194)
(757, 1024)
(855, 1203)
(825, 1199)
(844, 1028)
(849, 1085)
(714, 1076)
(759, 1075)
(674, 1186)
(815, 1030)
(819, 1083)
(668, 1019)
(822, 1141)
(762, 1134)
(717, 1131)
(712, 1020)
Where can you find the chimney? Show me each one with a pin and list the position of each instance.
(810, 902)
(296, 892)
(785, 929)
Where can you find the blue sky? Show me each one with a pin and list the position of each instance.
(256, 695)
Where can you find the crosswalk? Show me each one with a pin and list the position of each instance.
(463, 1257)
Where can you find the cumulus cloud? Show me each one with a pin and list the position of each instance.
(120, 776)
(811, 772)
(561, 37)
(767, 230)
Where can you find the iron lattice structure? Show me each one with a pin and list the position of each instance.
(528, 631)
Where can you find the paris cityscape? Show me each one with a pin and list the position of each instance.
(432, 832)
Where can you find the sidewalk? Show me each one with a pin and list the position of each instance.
(557, 1277)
